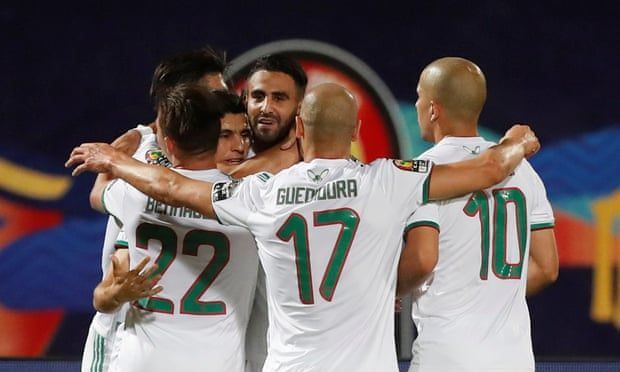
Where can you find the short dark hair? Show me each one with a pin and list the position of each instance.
(185, 68)
(231, 102)
(190, 115)
(285, 64)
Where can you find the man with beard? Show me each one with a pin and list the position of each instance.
(275, 87)
(320, 330)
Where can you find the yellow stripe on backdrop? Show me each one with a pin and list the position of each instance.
(30, 183)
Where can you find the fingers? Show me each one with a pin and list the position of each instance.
(149, 272)
(141, 265)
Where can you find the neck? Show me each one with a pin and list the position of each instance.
(203, 161)
(312, 152)
(456, 129)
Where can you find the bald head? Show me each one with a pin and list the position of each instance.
(329, 113)
(458, 85)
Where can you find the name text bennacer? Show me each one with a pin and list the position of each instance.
(154, 206)
(333, 190)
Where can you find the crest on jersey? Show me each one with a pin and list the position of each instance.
(317, 177)
(156, 156)
(224, 190)
(420, 166)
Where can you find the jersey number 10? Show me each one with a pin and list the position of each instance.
(478, 204)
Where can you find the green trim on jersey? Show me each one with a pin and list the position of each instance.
(116, 219)
(263, 176)
(542, 226)
(96, 365)
(413, 225)
(121, 244)
(426, 188)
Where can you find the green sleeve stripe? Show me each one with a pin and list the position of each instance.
(426, 187)
(120, 244)
(413, 225)
(540, 226)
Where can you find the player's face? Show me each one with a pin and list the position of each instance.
(272, 106)
(233, 143)
(423, 107)
(213, 81)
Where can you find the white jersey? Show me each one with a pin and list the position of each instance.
(103, 327)
(329, 234)
(471, 314)
(256, 335)
(209, 272)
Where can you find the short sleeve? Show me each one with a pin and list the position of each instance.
(121, 241)
(407, 182)
(233, 201)
(542, 213)
(425, 215)
(113, 198)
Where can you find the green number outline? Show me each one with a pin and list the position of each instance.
(168, 239)
(478, 203)
(190, 303)
(296, 228)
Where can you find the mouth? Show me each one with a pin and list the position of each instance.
(235, 161)
(266, 121)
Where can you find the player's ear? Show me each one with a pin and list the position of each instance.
(434, 111)
(356, 131)
(299, 127)
(169, 145)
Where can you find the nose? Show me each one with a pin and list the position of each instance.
(239, 144)
(266, 105)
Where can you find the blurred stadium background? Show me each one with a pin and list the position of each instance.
(80, 72)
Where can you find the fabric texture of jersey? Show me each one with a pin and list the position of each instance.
(329, 235)
(471, 314)
(208, 271)
(103, 327)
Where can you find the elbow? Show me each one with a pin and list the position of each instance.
(552, 275)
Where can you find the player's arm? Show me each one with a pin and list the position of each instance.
(418, 258)
(491, 167)
(272, 160)
(543, 266)
(127, 143)
(159, 183)
(122, 285)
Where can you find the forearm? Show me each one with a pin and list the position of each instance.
(105, 299)
(536, 280)
(164, 185)
(491, 167)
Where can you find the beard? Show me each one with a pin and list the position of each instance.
(264, 141)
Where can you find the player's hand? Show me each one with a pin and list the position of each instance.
(523, 134)
(93, 157)
(134, 284)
